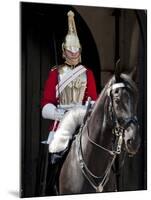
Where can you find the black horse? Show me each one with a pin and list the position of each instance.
(112, 127)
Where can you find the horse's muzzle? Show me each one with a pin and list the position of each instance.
(132, 138)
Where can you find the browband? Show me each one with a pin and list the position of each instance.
(115, 86)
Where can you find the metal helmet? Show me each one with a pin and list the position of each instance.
(71, 42)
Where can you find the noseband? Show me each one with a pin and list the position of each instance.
(118, 130)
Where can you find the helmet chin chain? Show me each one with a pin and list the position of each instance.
(72, 62)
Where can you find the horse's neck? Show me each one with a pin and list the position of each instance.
(96, 128)
(99, 126)
(99, 118)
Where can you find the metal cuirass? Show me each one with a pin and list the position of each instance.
(74, 92)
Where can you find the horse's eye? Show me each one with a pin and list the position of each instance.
(116, 91)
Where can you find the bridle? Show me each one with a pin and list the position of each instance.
(118, 131)
(119, 125)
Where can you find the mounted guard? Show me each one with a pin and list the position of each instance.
(66, 92)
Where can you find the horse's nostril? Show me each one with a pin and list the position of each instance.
(131, 155)
(129, 142)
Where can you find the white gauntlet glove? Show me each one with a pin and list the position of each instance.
(50, 111)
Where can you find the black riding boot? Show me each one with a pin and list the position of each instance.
(55, 161)
(52, 176)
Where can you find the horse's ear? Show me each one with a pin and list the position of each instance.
(117, 70)
(133, 73)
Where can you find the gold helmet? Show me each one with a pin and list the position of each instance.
(71, 42)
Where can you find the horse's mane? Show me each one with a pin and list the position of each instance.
(106, 87)
(104, 93)
(125, 78)
(128, 79)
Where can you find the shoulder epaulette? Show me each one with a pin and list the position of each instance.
(60, 66)
(53, 68)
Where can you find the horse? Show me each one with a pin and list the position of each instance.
(111, 128)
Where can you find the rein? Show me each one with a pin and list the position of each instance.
(86, 171)
(118, 131)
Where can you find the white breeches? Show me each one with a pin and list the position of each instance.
(66, 129)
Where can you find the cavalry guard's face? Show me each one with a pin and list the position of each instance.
(72, 54)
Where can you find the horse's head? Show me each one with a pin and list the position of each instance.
(124, 98)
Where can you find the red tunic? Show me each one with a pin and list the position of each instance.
(49, 94)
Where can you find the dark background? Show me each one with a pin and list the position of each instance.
(105, 35)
